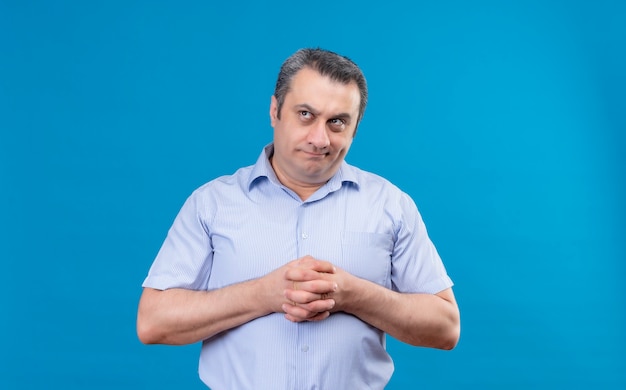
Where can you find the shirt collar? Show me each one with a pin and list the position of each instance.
(263, 169)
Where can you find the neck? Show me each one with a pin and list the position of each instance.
(303, 190)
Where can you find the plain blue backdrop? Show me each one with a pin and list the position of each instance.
(504, 121)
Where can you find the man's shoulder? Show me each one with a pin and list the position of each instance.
(233, 182)
(370, 181)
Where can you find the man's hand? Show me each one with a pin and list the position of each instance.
(307, 287)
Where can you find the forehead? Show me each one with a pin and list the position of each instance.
(309, 87)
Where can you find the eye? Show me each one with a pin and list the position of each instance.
(306, 115)
(337, 124)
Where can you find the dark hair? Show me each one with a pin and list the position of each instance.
(336, 67)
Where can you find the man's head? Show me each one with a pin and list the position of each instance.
(319, 102)
(332, 65)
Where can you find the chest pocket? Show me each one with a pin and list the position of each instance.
(368, 256)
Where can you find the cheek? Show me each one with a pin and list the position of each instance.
(282, 135)
(342, 143)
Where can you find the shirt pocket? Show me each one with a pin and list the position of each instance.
(368, 255)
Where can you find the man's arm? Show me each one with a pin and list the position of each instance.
(428, 320)
(178, 316)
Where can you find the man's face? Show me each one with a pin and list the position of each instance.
(315, 130)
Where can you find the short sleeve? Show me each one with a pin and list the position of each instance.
(416, 265)
(185, 258)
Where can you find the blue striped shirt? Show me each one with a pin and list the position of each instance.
(243, 226)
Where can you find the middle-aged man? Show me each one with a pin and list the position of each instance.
(291, 271)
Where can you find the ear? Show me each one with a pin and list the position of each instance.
(273, 111)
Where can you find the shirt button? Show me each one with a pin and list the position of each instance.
(305, 236)
(304, 348)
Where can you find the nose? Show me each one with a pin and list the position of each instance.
(317, 135)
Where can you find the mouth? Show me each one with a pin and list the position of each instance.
(314, 154)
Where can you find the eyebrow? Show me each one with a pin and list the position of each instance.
(344, 115)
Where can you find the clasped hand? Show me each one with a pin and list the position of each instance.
(309, 286)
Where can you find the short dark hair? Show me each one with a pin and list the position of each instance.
(327, 63)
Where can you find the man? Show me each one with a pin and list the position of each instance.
(291, 271)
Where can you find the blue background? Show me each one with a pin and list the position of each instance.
(504, 121)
